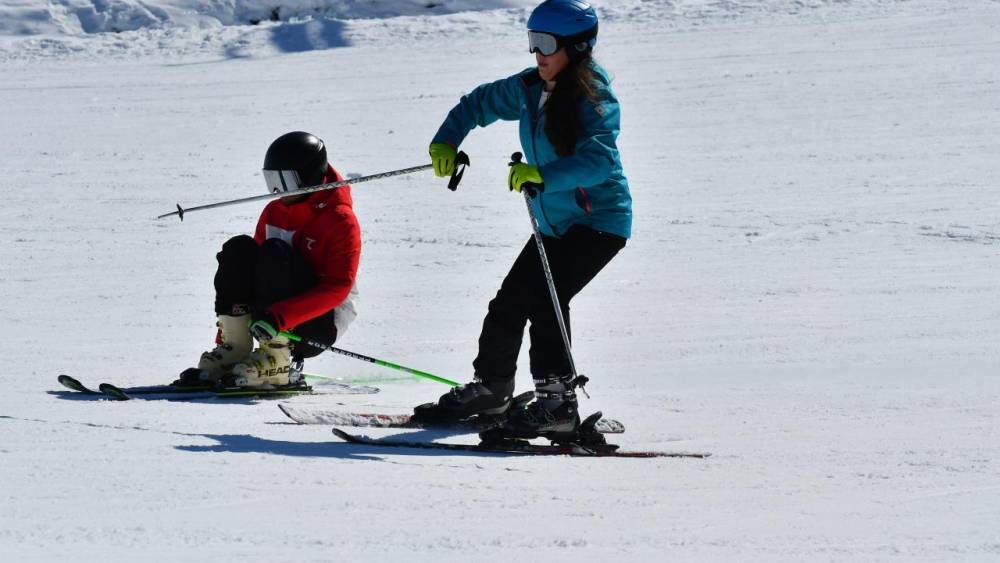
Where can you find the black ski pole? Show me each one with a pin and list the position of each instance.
(461, 161)
(528, 189)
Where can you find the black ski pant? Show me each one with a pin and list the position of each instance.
(575, 258)
(252, 277)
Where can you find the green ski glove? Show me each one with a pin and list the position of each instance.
(443, 159)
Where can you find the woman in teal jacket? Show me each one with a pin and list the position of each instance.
(569, 121)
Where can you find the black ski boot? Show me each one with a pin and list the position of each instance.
(554, 414)
(479, 397)
(193, 377)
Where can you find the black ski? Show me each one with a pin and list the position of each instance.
(172, 393)
(187, 393)
(519, 447)
(74, 385)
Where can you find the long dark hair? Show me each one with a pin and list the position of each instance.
(577, 81)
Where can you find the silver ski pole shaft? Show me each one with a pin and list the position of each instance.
(516, 157)
(456, 177)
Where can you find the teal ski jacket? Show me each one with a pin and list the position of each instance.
(586, 188)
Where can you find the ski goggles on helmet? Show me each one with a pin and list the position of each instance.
(545, 43)
(281, 181)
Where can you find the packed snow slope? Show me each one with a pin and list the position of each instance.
(810, 294)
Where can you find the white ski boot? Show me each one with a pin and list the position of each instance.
(270, 365)
(233, 343)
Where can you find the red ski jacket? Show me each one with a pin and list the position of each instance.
(325, 231)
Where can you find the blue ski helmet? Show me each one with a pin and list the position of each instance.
(571, 23)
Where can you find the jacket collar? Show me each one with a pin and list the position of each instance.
(333, 196)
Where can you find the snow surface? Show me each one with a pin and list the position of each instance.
(811, 292)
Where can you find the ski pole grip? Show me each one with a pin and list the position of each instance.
(462, 160)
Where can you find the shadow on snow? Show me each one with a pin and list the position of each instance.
(244, 443)
(314, 35)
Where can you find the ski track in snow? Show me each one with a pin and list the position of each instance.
(810, 294)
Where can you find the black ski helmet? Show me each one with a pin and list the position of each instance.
(298, 152)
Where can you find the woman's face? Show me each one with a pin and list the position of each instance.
(550, 66)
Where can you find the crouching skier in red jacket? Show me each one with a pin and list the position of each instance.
(297, 273)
